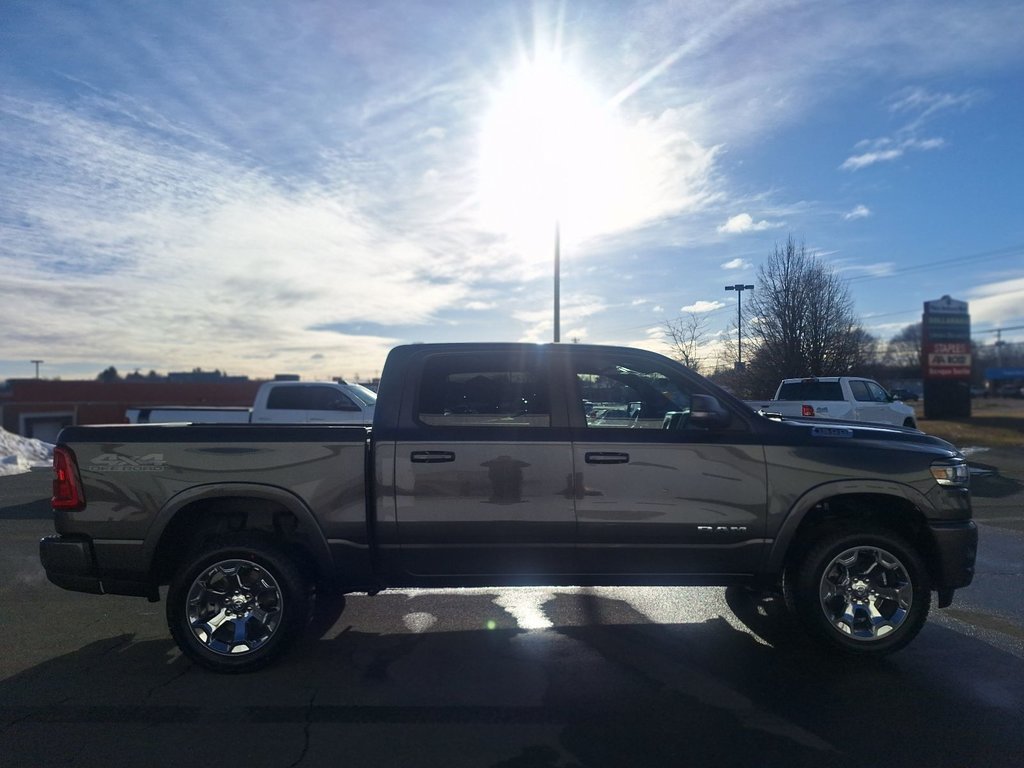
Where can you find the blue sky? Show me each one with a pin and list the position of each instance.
(268, 187)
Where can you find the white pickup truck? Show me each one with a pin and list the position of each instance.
(847, 398)
(277, 402)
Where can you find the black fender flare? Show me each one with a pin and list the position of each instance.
(321, 552)
(810, 499)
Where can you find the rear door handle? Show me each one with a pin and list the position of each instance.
(606, 457)
(432, 457)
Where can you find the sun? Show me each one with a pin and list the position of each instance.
(552, 151)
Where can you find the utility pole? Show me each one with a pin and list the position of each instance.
(37, 363)
(739, 288)
(558, 256)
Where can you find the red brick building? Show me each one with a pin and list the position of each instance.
(40, 408)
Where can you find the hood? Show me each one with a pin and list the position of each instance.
(838, 429)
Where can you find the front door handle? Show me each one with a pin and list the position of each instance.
(606, 457)
(432, 457)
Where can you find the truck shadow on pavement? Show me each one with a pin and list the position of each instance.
(453, 681)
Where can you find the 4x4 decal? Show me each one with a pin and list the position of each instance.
(116, 462)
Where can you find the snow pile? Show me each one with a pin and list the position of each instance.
(20, 454)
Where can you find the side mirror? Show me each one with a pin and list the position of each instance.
(706, 412)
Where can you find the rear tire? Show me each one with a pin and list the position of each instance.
(237, 604)
(861, 592)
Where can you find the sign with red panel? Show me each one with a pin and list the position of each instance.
(946, 339)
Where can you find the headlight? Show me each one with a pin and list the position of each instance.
(951, 472)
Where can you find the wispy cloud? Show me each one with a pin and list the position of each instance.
(858, 212)
(737, 263)
(744, 222)
(574, 311)
(920, 106)
(997, 303)
(875, 269)
(198, 254)
(699, 307)
(885, 150)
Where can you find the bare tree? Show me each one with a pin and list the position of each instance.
(686, 336)
(801, 319)
(904, 349)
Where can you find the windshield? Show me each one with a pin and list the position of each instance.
(361, 393)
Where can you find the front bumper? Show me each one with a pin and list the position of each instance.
(955, 551)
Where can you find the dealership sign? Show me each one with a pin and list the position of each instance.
(946, 337)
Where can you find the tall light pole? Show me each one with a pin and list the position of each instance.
(37, 363)
(739, 288)
(558, 287)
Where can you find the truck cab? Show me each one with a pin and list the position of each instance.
(313, 402)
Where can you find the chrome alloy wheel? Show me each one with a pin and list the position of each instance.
(234, 607)
(866, 593)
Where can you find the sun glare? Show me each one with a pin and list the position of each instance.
(552, 150)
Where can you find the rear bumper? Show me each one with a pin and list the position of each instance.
(70, 563)
(956, 549)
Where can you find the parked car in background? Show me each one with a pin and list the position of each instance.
(277, 402)
(1009, 390)
(847, 398)
(906, 395)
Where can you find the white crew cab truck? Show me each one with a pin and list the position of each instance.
(848, 398)
(277, 402)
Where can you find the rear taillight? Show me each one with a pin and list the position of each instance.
(807, 410)
(67, 488)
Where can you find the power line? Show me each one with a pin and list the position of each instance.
(996, 253)
(1012, 250)
(1000, 330)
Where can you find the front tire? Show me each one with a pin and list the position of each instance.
(862, 592)
(237, 605)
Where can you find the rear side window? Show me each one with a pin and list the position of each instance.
(811, 390)
(491, 390)
(309, 399)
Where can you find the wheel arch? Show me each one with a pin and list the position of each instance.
(198, 514)
(888, 505)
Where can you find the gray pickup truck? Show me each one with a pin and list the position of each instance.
(513, 464)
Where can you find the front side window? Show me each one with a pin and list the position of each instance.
(631, 394)
(329, 399)
(466, 389)
(877, 394)
(861, 392)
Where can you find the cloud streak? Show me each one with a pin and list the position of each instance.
(921, 106)
(744, 222)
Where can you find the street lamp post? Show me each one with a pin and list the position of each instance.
(558, 287)
(739, 288)
(37, 363)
